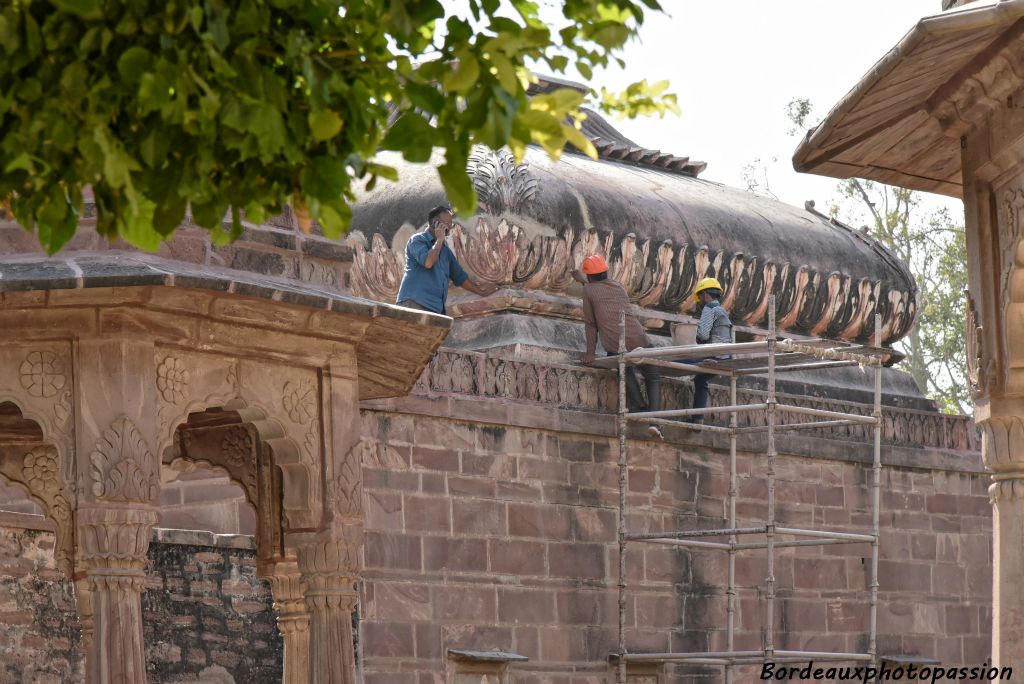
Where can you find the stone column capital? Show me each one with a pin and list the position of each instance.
(114, 537)
(329, 563)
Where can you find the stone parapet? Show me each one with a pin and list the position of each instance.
(531, 385)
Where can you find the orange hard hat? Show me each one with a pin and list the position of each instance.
(594, 264)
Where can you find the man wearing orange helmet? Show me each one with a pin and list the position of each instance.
(604, 302)
(715, 327)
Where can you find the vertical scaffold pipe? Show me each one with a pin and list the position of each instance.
(876, 483)
(769, 641)
(623, 483)
(731, 591)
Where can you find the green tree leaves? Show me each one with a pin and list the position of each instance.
(220, 106)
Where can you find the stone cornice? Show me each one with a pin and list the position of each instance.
(44, 299)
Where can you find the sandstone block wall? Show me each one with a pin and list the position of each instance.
(484, 537)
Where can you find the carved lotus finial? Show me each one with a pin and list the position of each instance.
(502, 186)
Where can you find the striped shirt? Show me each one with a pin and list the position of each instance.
(604, 302)
(714, 326)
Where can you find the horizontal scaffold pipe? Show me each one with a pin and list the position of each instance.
(822, 413)
(824, 534)
(689, 426)
(683, 534)
(746, 546)
(721, 546)
(828, 354)
(687, 367)
(694, 412)
(697, 350)
(666, 657)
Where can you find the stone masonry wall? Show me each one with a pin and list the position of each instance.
(208, 619)
(500, 538)
(40, 638)
(491, 535)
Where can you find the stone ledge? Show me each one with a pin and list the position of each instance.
(125, 269)
(25, 521)
(165, 535)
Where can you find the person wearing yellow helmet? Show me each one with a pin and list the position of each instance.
(714, 327)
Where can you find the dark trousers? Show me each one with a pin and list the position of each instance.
(411, 304)
(701, 393)
(652, 381)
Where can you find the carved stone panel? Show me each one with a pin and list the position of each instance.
(38, 379)
(290, 398)
(122, 466)
(188, 382)
(1010, 205)
(38, 471)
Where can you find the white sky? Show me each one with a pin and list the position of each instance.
(735, 64)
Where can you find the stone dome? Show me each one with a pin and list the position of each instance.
(661, 231)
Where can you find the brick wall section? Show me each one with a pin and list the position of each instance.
(485, 537)
(204, 611)
(40, 638)
(204, 607)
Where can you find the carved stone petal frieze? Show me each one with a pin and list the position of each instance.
(659, 275)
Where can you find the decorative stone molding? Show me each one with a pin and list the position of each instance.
(590, 389)
(979, 362)
(656, 275)
(188, 383)
(122, 466)
(346, 488)
(43, 373)
(172, 379)
(115, 537)
(231, 448)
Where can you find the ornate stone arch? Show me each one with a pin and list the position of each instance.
(282, 403)
(35, 467)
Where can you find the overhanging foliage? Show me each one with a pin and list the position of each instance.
(231, 106)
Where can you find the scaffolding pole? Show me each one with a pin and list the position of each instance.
(806, 355)
(769, 580)
(623, 486)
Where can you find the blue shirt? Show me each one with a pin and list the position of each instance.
(428, 287)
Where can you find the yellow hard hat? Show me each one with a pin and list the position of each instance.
(706, 284)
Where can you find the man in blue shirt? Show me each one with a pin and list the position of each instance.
(430, 264)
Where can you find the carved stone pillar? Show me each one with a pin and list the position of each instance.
(292, 618)
(118, 485)
(113, 544)
(1004, 454)
(329, 566)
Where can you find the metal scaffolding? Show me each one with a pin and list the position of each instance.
(766, 358)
